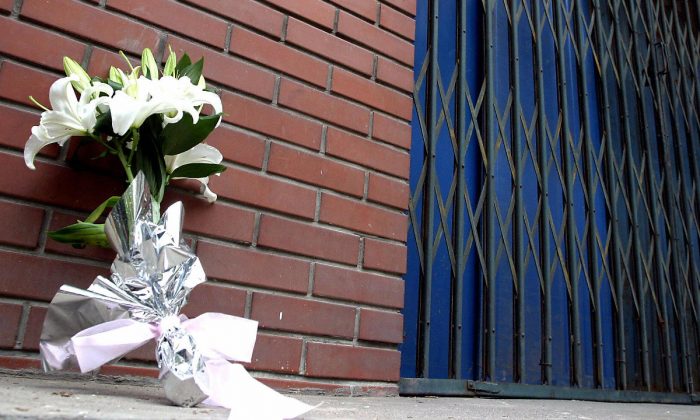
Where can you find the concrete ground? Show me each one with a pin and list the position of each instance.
(31, 395)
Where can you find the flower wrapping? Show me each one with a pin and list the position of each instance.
(152, 276)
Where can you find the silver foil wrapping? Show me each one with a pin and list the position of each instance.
(152, 276)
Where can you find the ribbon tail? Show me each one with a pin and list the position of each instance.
(95, 346)
(231, 386)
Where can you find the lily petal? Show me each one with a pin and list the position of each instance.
(36, 142)
(201, 153)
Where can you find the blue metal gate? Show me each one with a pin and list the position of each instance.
(553, 247)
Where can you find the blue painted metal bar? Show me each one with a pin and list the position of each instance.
(590, 168)
(428, 225)
(458, 295)
(518, 223)
(491, 198)
(544, 234)
(567, 154)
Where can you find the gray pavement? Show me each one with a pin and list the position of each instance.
(30, 395)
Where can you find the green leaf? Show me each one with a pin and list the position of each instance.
(197, 170)
(148, 158)
(110, 202)
(182, 63)
(184, 135)
(103, 124)
(115, 85)
(193, 71)
(81, 234)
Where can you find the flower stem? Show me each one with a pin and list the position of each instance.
(135, 137)
(125, 164)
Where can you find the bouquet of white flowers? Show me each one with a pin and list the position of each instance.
(152, 121)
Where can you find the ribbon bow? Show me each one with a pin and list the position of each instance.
(220, 338)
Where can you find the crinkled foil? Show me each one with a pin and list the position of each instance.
(152, 276)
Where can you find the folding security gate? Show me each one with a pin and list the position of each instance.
(554, 240)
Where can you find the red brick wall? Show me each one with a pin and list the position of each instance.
(308, 234)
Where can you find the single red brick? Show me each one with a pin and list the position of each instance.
(367, 153)
(395, 74)
(360, 217)
(9, 324)
(303, 315)
(358, 286)
(238, 146)
(388, 191)
(372, 94)
(391, 131)
(227, 70)
(375, 38)
(255, 268)
(276, 354)
(315, 170)
(209, 297)
(24, 362)
(17, 125)
(56, 185)
(367, 9)
(101, 60)
(349, 362)
(122, 370)
(32, 331)
(384, 256)
(6, 5)
(145, 353)
(28, 276)
(408, 6)
(176, 17)
(314, 10)
(38, 45)
(329, 46)
(218, 220)
(321, 105)
(269, 120)
(397, 23)
(93, 23)
(265, 192)
(247, 12)
(278, 56)
(305, 239)
(386, 327)
(20, 225)
(18, 82)
(60, 220)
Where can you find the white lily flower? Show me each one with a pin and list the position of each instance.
(141, 98)
(201, 153)
(183, 96)
(69, 117)
(131, 105)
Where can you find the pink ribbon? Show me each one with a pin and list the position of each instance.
(219, 337)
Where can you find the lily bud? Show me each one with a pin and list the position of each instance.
(74, 69)
(202, 84)
(170, 63)
(149, 65)
(115, 75)
(81, 234)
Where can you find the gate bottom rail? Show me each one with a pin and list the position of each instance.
(469, 388)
